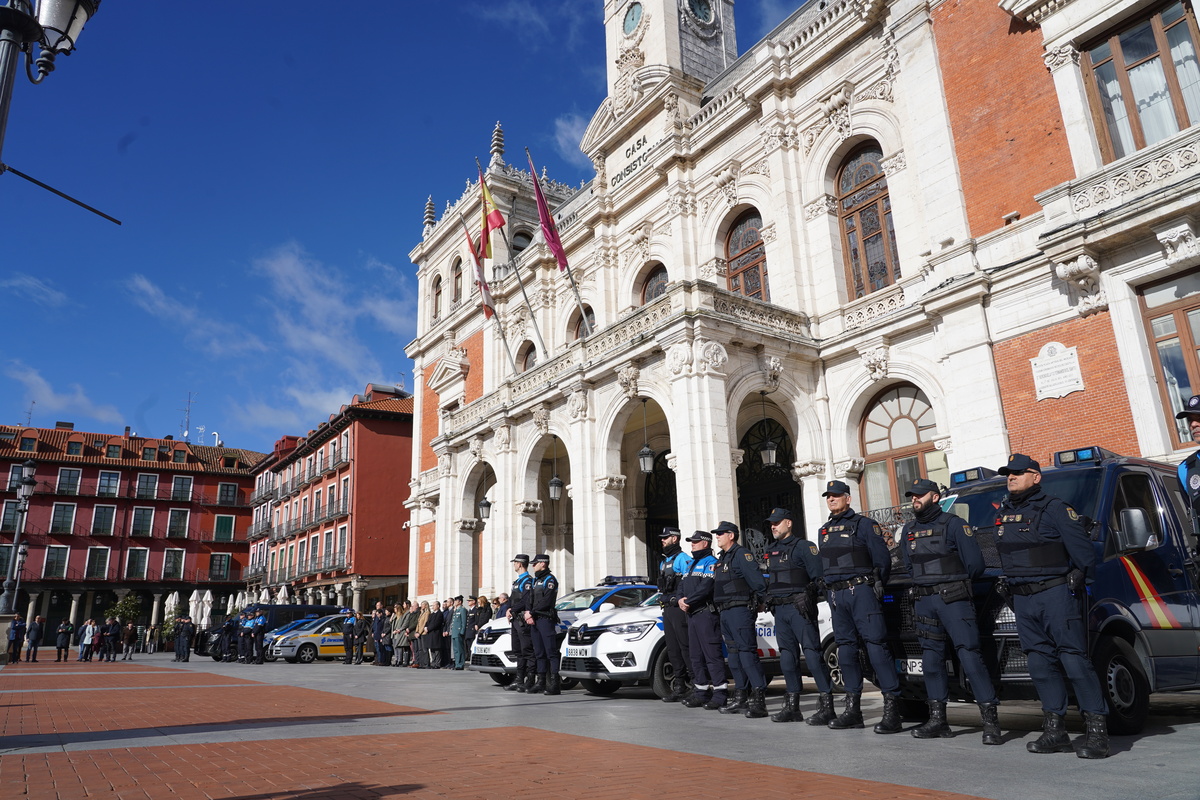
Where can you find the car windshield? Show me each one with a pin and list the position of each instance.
(291, 626)
(652, 600)
(577, 601)
(309, 624)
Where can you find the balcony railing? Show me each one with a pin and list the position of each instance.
(218, 576)
(145, 531)
(104, 530)
(180, 532)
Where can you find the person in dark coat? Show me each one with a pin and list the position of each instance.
(33, 638)
(362, 632)
(16, 639)
(431, 636)
(62, 643)
(111, 636)
(183, 638)
(447, 613)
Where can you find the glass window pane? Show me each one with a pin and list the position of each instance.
(877, 491)
(936, 468)
(1183, 55)
(1138, 43)
(1101, 53)
(904, 433)
(1173, 13)
(1194, 324)
(1179, 387)
(1153, 100)
(1116, 117)
(1163, 326)
(907, 470)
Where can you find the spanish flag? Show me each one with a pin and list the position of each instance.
(492, 218)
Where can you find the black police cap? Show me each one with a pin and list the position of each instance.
(922, 486)
(1192, 409)
(521, 558)
(725, 527)
(541, 557)
(835, 487)
(668, 532)
(1018, 463)
(779, 515)
(700, 536)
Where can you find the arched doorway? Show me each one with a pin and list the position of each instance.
(761, 487)
(484, 489)
(662, 511)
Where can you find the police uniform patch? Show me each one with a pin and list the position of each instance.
(813, 548)
(1194, 482)
(749, 557)
(1071, 513)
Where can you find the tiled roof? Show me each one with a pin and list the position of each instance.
(403, 405)
(52, 445)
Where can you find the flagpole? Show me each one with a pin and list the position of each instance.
(587, 328)
(479, 278)
(537, 330)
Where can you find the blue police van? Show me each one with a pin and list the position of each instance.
(1142, 611)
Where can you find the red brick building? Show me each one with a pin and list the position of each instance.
(120, 513)
(329, 522)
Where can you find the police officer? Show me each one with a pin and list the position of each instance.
(521, 634)
(737, 586)
(695, 598)
(1047, 559)
(856, 563)
(943, 558)
(183, 638)
(1189, 468)
(674, 565)
(793, 569)
(246, 637)
(543, 621)
(348, 636)
(229, 639)
(258, 630)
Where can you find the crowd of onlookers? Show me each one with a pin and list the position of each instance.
(424, 635)
(101, 641)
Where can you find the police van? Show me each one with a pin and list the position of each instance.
(1142, 611)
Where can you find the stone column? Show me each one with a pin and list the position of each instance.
(358, 587)
(74, 616)
(31, 610)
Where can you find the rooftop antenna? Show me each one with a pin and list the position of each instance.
(186, 427)
(29, 414)
(400, 381)
(200, 432)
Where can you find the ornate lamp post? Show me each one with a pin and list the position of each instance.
(24, 491)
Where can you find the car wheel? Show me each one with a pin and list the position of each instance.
(567, 683)
(307, 653)
(829, 654)
(1124, 684)
(600, 688)
(662, 674)
(271, 658)
(502, 678)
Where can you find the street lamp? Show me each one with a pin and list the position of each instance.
(556, 483)
(55, 27)
(485, 508)
(645, 455)
(20, 549)
(767, 449)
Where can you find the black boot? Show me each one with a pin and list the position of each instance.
(738, 702)
(756, 708)
(990, 713)
(675, 688)
(539, 684)
(936, 727)
(1054, 737)
(851, 716)
(518, 684)
(1095, 743)
(891, 722)
(824, 713)
(717, 701)
(553, 684)
(791, 709)
(696, 699)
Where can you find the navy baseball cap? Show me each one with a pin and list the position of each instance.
(347, 611)
(521, 558)
(779, 515)
(725, 527)
(668, 532)
(1018, 463)
(922, 486)
(700, 536)
(1193, 408)
(541, 557)
(835, 487)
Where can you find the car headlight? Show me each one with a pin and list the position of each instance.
(287, 640)
(632, 631)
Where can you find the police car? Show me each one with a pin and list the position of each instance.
(1143, 609)
(318, 638)
(492, 652)
(609, 649)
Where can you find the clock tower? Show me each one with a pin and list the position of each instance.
(649, 39)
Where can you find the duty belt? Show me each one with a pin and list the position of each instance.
(732, 604)
(858, 580)
(925, 591)
(785, 599)
(1025, 589)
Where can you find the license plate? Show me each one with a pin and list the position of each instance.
(577, 652)
(482, 649)
(910, 666)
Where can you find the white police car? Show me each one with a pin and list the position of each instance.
(492, 652)
(318, 638)
(611, 648)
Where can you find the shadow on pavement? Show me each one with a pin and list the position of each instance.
(336, 792)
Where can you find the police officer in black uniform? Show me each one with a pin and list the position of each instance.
(348, 635)
(943, 558)
(259, 632)
(1048, 559)
(543, 621)
(229, 630)
(793, 573)
(1189, 468)
(738, 586)
(695, 593)
(522, 637)
(245, 637)
(856, 564)
(674, 565)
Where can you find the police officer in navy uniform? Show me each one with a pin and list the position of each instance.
(1189, 468)
(543, 622)
(943, 558)
(674, 565)
(1047, 559)
(258, 631)
(246, 637)
(793, 573)
(521, 635)
(738, 586)
(229, 639)
(695, 598)
(348, 635)
(856, 564)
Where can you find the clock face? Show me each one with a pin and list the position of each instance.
(702, 9)
(632, 17)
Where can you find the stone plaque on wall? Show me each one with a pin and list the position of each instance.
(1056, 371)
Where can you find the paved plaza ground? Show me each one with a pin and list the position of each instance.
(151, 728)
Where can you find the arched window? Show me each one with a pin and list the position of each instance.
(528, 357)
(746, 257)
(655, 284)
(591, 319)
(521, 240)
(437, 297)
(865, 211)
(898, 430)
(456, 272)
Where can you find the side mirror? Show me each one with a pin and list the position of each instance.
(606, 607)
(1135, 532)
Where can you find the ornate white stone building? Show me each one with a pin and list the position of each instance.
(893, 239)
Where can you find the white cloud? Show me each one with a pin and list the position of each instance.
(72, 401)
(202, 329)
(568, 132)
(34, 289)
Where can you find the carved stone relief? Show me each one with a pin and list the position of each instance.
(849, 468)
(1084, 273)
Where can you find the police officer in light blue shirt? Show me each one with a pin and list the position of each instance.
(258, 632)
(695, 598)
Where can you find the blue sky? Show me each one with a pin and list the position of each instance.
(270, 163)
